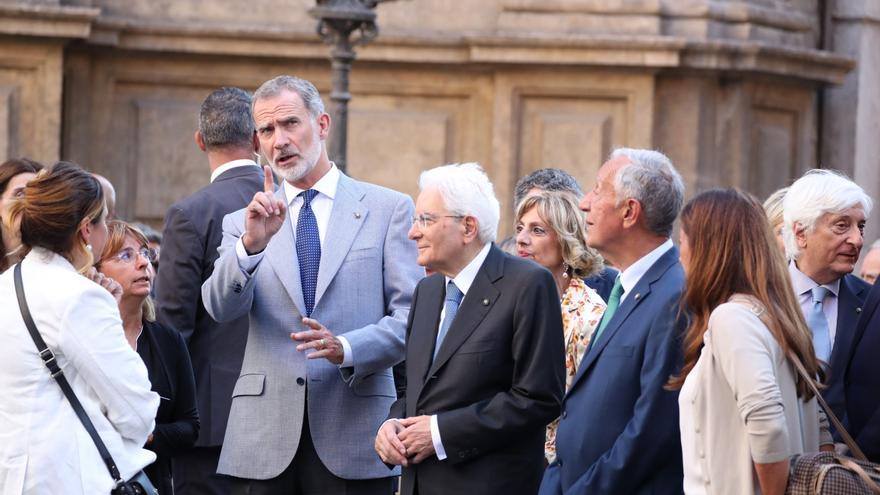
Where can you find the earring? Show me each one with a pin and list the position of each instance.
(89, 248)
(565, 270)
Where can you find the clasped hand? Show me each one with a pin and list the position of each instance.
(406, 441)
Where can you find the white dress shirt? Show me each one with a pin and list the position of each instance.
(803, 289)
(463, 281)
(322, 206)
(631, 276)
(231, 165)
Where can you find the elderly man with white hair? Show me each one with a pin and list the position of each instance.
(484, 354)
(824, 214)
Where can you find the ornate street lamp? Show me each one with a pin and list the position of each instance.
(343, 24)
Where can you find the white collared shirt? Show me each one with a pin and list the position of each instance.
(631, 276)
(322, 206)
(463, 281)
(230, 165)
(803, 289)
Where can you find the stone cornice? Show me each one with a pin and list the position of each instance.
(647, 51)
(47, 21)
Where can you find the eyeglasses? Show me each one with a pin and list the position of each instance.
(128, 255)
(425, 220)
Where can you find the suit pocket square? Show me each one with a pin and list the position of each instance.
(250, 384)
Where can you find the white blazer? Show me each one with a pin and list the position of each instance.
(43, 446)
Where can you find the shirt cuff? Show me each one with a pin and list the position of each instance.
(436, 440)
(347, 360)
(246, 262)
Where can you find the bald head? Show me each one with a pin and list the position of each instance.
(109, 195)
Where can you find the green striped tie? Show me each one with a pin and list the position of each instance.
(613, 303)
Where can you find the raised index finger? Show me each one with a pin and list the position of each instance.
(268, 183)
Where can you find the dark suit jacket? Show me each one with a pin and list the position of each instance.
(619, 428)
(496, 383)
(850, 298)
(193, 230)
(602, 282)
(862, 379)
(177, 421)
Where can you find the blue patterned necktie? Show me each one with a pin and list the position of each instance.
(453, 299)
(819, 324)
(308, 249)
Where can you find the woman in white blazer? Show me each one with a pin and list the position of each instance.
(44, 449)
(743, 410)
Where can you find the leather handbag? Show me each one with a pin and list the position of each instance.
(139, 484)
(825, 473)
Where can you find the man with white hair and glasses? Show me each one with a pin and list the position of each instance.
(824, 219)
(484, 354)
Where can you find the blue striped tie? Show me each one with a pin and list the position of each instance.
(453, 299)
(308, 249)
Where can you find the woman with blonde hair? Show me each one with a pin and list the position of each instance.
(550, 229)
(44, 448)
(127, 258)
(743, 409)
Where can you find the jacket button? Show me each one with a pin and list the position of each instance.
(300, 381)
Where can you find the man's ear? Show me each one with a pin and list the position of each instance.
(200, 141)
(471, 228)
(323, 125)
(632, 212)
(800, 235)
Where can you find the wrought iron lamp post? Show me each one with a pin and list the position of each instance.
(343, 24)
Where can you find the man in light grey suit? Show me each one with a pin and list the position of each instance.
(325, 272)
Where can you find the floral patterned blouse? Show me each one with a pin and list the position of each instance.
(582, 310)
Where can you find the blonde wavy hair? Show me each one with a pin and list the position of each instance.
(559, 210)
(117, 232)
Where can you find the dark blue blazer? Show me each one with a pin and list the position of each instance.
(862, 379)
(619, 428)
(850, 298)
(193, 230)
(602, 282)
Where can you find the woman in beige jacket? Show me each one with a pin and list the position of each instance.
(743, 410)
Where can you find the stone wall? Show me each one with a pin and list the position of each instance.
(731, 90)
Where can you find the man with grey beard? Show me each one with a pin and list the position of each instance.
(325, 272)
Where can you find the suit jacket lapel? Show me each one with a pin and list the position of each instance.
(638, 294)
(423, 333)
(346, 218)
(849, 307)
(872, 302)
(476, 304)
(281, 255)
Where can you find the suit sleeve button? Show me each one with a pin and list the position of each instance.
(300, 381)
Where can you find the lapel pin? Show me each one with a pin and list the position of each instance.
(638, 296)
(357, 215)
(858, 310)
(485, 302)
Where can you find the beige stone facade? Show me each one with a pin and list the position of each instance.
(740, 92)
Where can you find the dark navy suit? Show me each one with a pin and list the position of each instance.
(602, 282)
(619, 429)
(862, 379)
(850, 298)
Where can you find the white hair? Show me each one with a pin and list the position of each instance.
(652, 180)
(817, 193)
(467, 191)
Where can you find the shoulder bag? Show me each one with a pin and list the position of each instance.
(139, 484)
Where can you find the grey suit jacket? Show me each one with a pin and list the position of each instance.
(365, 283)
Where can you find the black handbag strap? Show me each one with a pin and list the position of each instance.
(48, 358)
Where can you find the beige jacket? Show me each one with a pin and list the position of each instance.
(744, 405)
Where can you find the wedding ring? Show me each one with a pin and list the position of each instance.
(322, 343)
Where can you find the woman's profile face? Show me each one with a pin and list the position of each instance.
(14, 190)
(684, 247)
(536, 240)
(130, 267)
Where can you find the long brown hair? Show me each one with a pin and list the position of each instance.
(8, 170)
(733, 251)
(53, 206)
(117, 233)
